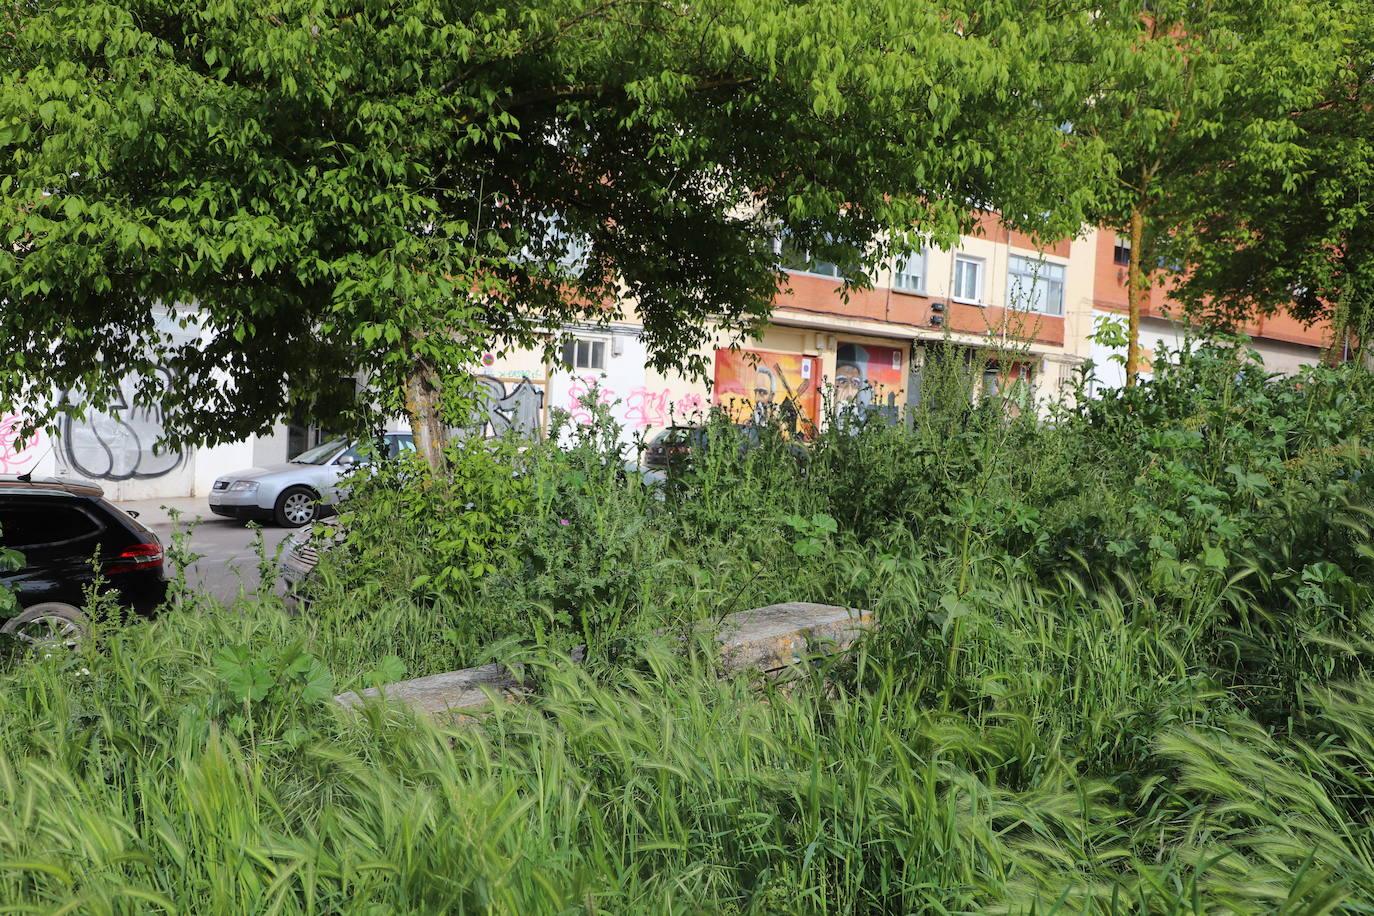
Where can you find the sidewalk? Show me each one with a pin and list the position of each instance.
(154, 512)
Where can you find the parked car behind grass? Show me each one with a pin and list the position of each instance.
(61, 538)
(676, 445)
(303, 489)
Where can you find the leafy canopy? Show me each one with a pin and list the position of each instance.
(1303, 235)
(1200, 105)
(390, 186)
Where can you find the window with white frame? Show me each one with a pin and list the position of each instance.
(968, 278)
(1121, 251)
(581, 353)
(795, 257)
(1034, 285)
(909, 274)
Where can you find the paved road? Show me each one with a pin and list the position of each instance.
(229, 561)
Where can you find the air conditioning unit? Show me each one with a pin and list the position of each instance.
(937, 320)
(937, 306)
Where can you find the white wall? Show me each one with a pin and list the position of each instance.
(621, 385)
(1156, 333)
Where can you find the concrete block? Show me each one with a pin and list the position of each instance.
(780, 635)
(765, 639)
(447, 695)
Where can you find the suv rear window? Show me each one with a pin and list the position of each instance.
(39, 525)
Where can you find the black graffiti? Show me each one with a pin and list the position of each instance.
(119, 443)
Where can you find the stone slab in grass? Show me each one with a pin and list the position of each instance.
(775, 637)
(453, 693)
(765, 639)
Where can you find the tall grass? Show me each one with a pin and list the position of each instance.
(1123, 667)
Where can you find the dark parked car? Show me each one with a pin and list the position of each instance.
(677, 444)
(68, 534)
(673, 443)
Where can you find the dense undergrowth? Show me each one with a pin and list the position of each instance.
(1123, 666)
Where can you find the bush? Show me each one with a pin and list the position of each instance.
(1123, 665)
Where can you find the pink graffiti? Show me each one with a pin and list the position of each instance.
(646, 408)
(689, 404)
(17, 453)
(577, 394)
(640, 408)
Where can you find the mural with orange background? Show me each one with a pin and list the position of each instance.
(756, 386)
(866, 374)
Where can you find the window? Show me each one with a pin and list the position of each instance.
(1121, 251)
(910, 272)
(38, 526)
(797, 258)
(553, 245)
(580, 353)
(1035, 285)
(968, 279)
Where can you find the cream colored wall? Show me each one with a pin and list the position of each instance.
(1079, 278)
(940, 269)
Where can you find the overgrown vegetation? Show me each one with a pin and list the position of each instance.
(1123, 666)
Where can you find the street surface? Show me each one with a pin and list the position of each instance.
(228, 562)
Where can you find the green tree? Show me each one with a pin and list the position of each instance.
(393, 186)
(1301, 238)
(1201, 90)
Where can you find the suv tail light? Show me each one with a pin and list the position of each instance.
(139, 556)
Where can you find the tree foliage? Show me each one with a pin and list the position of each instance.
(1301, 238)
(392, 187)
(1203, 97)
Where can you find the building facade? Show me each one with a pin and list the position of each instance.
(1284, 343)
(1028, 311)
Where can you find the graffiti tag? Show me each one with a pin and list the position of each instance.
(119, 443)
(500, 411)
(18, 453)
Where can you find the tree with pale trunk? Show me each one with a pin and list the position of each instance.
(1299, 239)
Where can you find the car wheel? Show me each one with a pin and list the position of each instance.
(296, 506)
(48, 627)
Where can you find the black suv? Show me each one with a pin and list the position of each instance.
(67, 532)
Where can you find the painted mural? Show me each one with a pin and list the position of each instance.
(756, 386)
(120, 443)
(866, 374)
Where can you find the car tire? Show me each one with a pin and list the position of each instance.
(296, 506)
(50, 624)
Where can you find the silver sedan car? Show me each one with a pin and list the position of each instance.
(303, 489)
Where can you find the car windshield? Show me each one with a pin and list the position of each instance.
(320, 453)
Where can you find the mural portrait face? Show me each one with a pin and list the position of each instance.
(765, 386)
(754, 386)
(851, 372)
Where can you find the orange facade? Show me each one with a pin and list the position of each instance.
(1110, 293)
(822, 296)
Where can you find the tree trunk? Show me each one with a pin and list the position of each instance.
(426, 422)
(1135, 290)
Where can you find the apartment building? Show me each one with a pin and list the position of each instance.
(1029, 311)
(1027, 307)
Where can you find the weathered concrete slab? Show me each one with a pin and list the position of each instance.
(453, 693)
(766, 638)
(774, 637)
